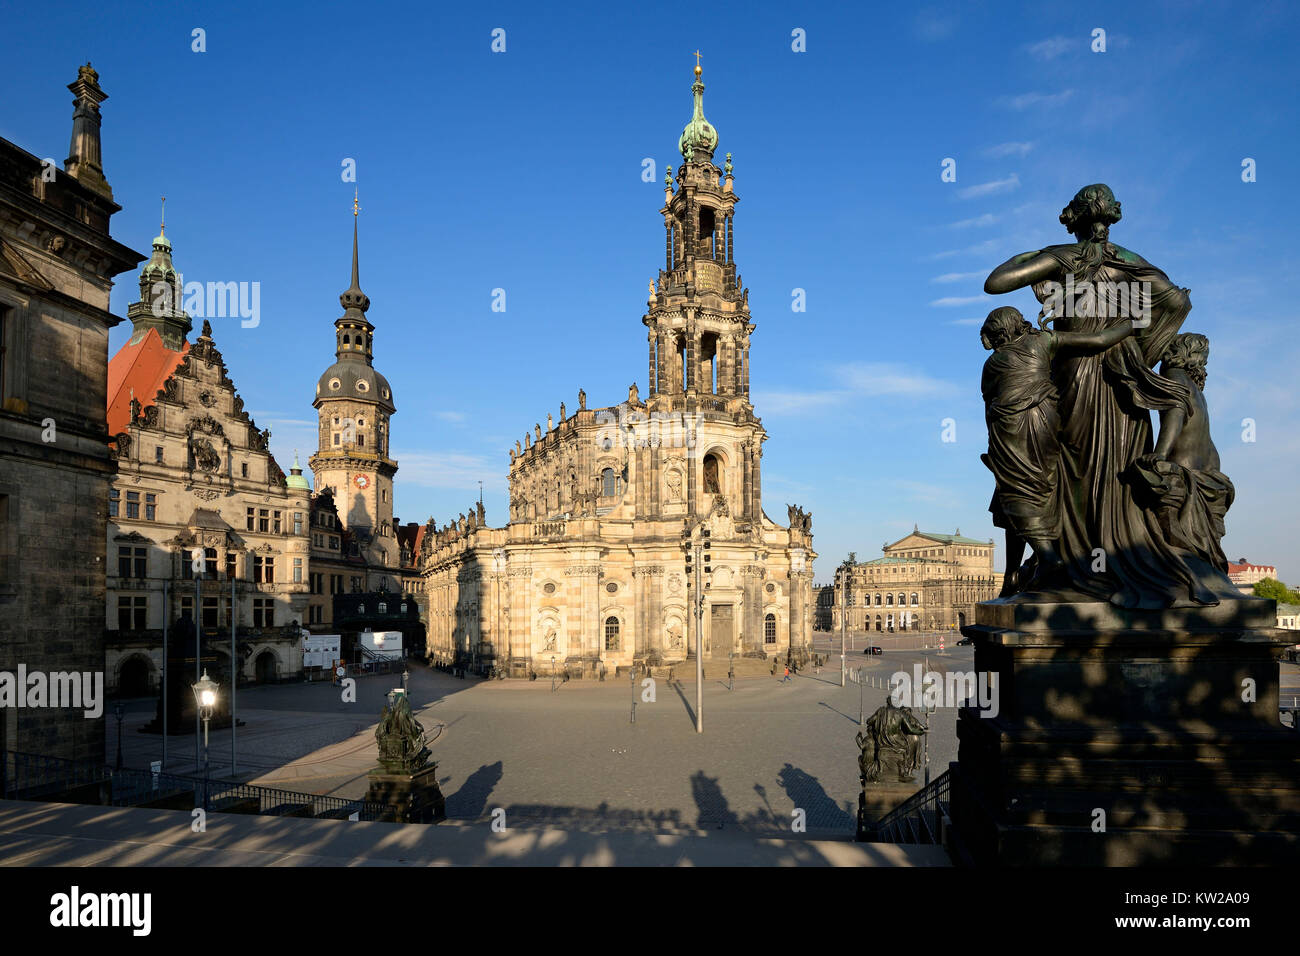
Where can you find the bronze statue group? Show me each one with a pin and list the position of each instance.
(1108, 512)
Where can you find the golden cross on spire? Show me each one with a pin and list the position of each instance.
(356, 205)
(162, 227)
(697, 61)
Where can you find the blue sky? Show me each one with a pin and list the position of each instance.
(522, 171)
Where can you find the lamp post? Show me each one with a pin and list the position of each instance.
(499, 567)
(552, 673)
(205, 697)
(844, 615)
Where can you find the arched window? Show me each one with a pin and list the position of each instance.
(877, 599)
(902, 599)
(611, 633)
(877, 622)
(712, 475)
(347, 339)
(769, 629)
(609, 483)
(889, 600)
(915, 601)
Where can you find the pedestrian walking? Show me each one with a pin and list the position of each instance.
(786, 678)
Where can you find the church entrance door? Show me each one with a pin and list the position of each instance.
(722, 630)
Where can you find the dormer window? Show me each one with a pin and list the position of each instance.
(363, 385)
(335, 384)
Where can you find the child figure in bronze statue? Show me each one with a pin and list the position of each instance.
(1024, 436)
(1180, 481)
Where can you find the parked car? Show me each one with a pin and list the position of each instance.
(873, 649)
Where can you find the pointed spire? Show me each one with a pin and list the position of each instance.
(354, 298)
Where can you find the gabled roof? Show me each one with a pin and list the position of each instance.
(138, 368)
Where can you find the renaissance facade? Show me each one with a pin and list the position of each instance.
(199, 511)
(926, 581)
(588, 573)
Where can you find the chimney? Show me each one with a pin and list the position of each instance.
(84, 163)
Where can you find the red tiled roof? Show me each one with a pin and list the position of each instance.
(139, 368)
(1236, 566)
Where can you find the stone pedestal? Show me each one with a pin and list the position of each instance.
(413, 798)
(1160, 726)
(876, 800)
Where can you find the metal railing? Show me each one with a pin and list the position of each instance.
(36, 777)
(915, 820)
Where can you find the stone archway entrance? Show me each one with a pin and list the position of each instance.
(722, 630)
(266, 668)
(133, 677)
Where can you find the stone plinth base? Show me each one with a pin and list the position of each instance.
(1159, 742)
(876, 800)
(413, 798)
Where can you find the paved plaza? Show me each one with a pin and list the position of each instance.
(572, 758)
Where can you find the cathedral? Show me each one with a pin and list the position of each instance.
(589, 573)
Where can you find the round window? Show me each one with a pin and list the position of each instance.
(548, 587)
(363, 385)
(771, 589)
(611, 587)
(335, 384)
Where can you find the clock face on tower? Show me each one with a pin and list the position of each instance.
(363, 482)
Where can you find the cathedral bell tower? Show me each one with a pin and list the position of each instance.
(698, 321)
(698, 318)
(355, 403)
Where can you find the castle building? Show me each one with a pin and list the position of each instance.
(588, 573)
(197, 490)
(57, 263)
(926, 581)
(354, 404)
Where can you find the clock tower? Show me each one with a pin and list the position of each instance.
(354, 403)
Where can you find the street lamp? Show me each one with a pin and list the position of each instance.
(205, 697)
(552, 673)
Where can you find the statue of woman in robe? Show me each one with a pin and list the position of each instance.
(1113, 548)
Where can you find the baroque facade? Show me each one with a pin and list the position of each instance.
(588, 573)
(57, 263)
(926, 581)
(198, 494)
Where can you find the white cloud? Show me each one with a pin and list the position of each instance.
(448, 470)
(951, 300)
(448, 416)
(855, 380)
(987, 219)
(966, 322)
(1003, 150)
(1024, 101)
(990, 188)
(959, 276)
(979, 249)
(1052, 47)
